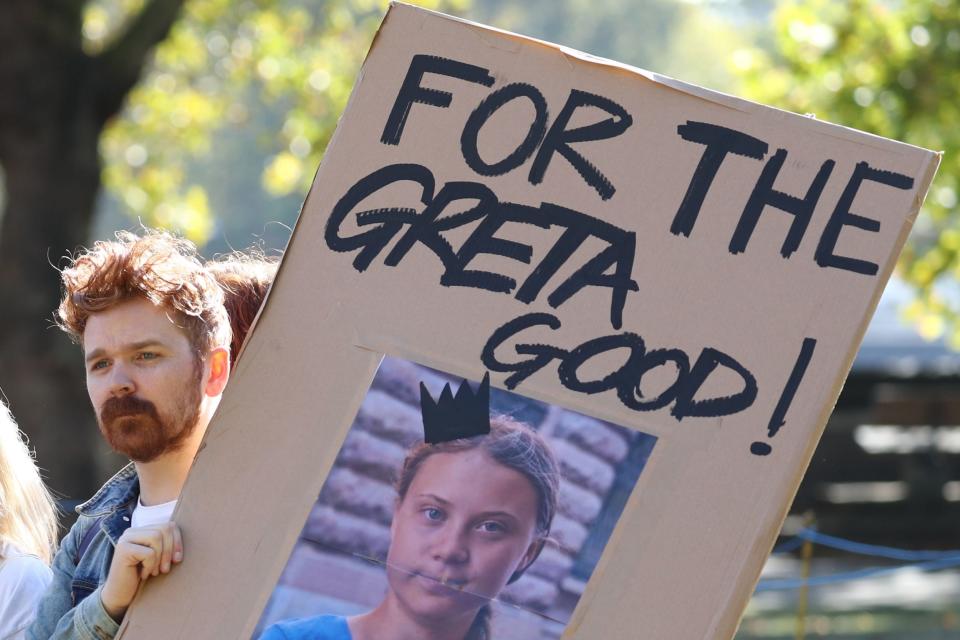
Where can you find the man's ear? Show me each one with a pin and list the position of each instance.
(533, 552)
(218, 371)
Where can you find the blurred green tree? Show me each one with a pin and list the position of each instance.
(131, 94)
(686, 39)
(893, 69)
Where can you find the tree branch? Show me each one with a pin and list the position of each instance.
(37, 41)
(120, 66)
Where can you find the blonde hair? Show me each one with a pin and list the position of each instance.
(28, 516)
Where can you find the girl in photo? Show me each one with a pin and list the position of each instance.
(471, 516)
(28, 532)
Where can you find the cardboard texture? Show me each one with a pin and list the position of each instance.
(702, 269)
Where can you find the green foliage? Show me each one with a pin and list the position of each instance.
(228, 66)
(686, 40)
(891, 68)
(631, 32)
(228, 124)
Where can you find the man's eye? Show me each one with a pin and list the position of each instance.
(147, 355)
(99, 364)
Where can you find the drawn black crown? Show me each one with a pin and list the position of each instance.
(451, 417)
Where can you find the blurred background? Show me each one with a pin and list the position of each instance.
(210, 117)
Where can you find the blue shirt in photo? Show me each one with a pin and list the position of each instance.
(319, 628)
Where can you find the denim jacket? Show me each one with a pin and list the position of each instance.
(71, 607)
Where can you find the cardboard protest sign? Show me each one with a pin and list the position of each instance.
(642, 259)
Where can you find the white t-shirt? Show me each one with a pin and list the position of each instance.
(23, 580)
(144, 516)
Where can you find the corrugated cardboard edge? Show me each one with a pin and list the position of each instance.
(728, 617)
(579, 57)
(267, 589)
(701, 93)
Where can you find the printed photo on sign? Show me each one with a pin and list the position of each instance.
(452, 505)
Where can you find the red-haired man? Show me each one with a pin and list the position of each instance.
(156, 338)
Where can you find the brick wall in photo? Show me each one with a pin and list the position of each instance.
(348, 528)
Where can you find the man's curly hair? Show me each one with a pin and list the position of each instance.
(156, 266)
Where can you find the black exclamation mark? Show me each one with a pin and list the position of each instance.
(778, 419)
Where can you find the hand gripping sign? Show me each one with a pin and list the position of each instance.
(600, 240)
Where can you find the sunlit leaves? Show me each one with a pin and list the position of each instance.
(890, 68)
(283, 174)
(189, 213)
(230, 64)
(102, 20)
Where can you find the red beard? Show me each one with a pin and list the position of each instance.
(133, 427)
